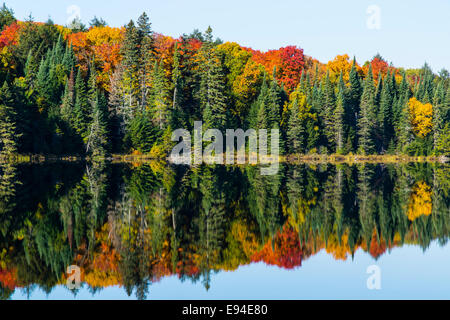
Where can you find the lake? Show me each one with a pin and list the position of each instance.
(158, 231)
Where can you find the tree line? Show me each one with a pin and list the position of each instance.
(99, 91)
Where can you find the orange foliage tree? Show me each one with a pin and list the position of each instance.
(288, 61)
(101, 45)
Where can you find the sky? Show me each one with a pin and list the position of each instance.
(407, 33)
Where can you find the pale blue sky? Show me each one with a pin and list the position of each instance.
(411, 31)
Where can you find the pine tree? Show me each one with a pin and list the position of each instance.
(328, 108)
(274, 103)
(68, 100)
(8, 131)
(438, 119)
(81, 107)
(258, 119)
(366, 116)
(92, 93)
(446, 106)
(212, 86)
(69, 59)
(403, 124)
(295, 130)
(352, 105)
(339, 117)
(146, 54)
(160, 97)
(131, 62)
(31, 70)
(98, 139)
(177, 115)
(386, 114)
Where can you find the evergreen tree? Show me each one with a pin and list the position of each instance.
(160, 97)
(386, 114)
(68, 99)
(97, 141)
(404, 129)
(81, 107)
(8, 132)
(366, 116)
(146, 54)
(177, 115)
(6, 16)
(295, 130)
(352, 108)
(339, 117)
(131, 62)
(438, 119)
(212, 86)
(329, 100)
(274, 103)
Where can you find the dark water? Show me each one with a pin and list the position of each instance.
(153, 231)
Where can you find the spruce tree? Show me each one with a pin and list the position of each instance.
(8, 131)
(438, 119)
(328, 108)
(131, 63)
(386, 114)
(295, 130)
(160, 97)
(68, 99)
(352, 105)
(81, 107)
(98, 139)
(366, 116)
(274, 103)
(146, 54)
(339, 117)
(404, 129)
(212, 86)
(177, 116)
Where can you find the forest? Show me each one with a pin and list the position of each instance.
(96, 91)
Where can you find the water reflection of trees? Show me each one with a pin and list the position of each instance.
(132, 225)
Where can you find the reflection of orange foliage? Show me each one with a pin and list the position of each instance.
(420, 203)
(377, 246)
(8, 278)
(103, 270)
(283, 251)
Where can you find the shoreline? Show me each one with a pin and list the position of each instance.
(289, 159)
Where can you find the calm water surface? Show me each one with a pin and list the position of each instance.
(153, 231)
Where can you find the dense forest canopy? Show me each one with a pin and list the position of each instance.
(98, 90)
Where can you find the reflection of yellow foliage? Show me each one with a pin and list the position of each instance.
(339, 250)
(420, 201)
(296, 219)
(242, 244)
(421, 117)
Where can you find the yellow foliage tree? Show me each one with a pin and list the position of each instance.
(421, 117)
(338, 64)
